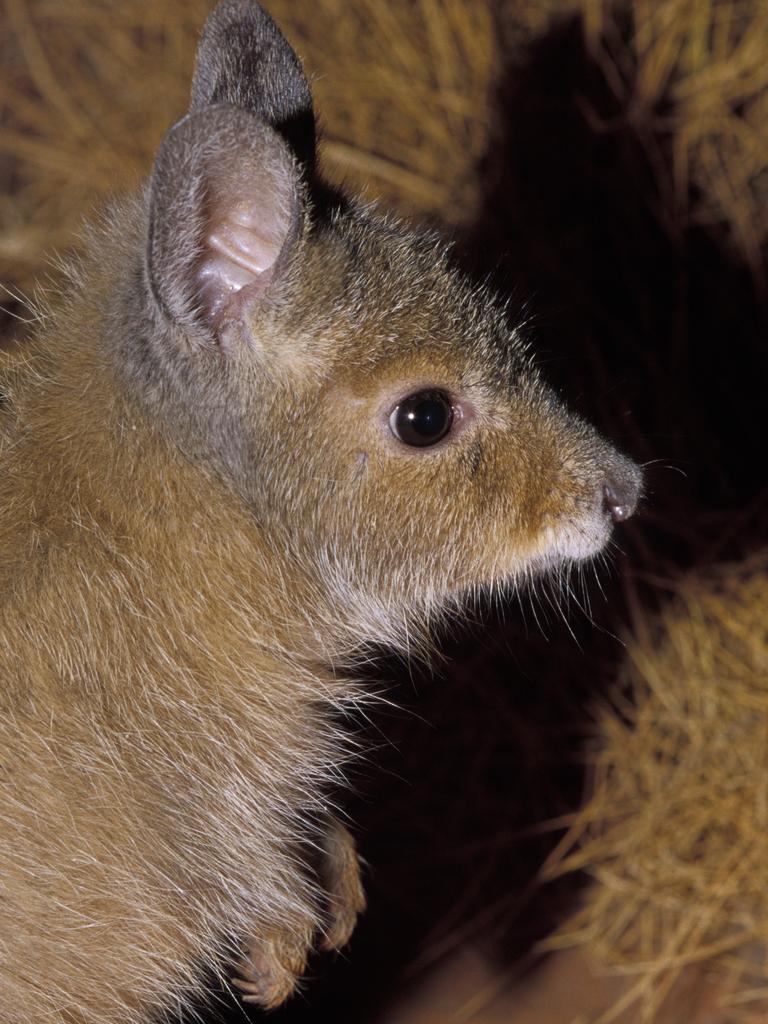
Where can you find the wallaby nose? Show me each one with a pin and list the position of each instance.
(615, 505)
(621, 491)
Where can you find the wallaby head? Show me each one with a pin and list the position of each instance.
(267, 424)
(382, 417)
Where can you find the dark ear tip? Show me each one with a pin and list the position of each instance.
(245, 61)
(228, 13)
(233, 29)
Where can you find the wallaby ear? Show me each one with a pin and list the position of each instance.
(225, 213)
(245, 61)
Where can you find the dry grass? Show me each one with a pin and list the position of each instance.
(88, 87)
(691, 77)
(675, 834)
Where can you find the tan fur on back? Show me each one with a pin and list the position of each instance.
(158, 735)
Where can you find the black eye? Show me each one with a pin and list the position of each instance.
(422, 419)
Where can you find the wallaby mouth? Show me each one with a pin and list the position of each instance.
(576, 538)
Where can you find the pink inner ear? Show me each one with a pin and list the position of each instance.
(251, 211)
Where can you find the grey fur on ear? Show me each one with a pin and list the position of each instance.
(225, 211)
(245, 61)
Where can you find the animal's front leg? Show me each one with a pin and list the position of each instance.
(275, 960)
(340, 874)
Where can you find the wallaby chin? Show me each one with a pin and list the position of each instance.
(266, 427)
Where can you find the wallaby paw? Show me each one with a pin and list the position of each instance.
(345, 895)
(274, 963)
(271, 970)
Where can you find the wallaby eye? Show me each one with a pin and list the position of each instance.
(422, 419)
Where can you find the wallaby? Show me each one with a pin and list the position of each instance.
(264, 426)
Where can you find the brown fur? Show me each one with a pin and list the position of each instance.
(204, 516)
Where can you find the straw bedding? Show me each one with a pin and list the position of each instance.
(675, 834)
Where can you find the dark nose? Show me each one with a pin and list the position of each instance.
(621, 491)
